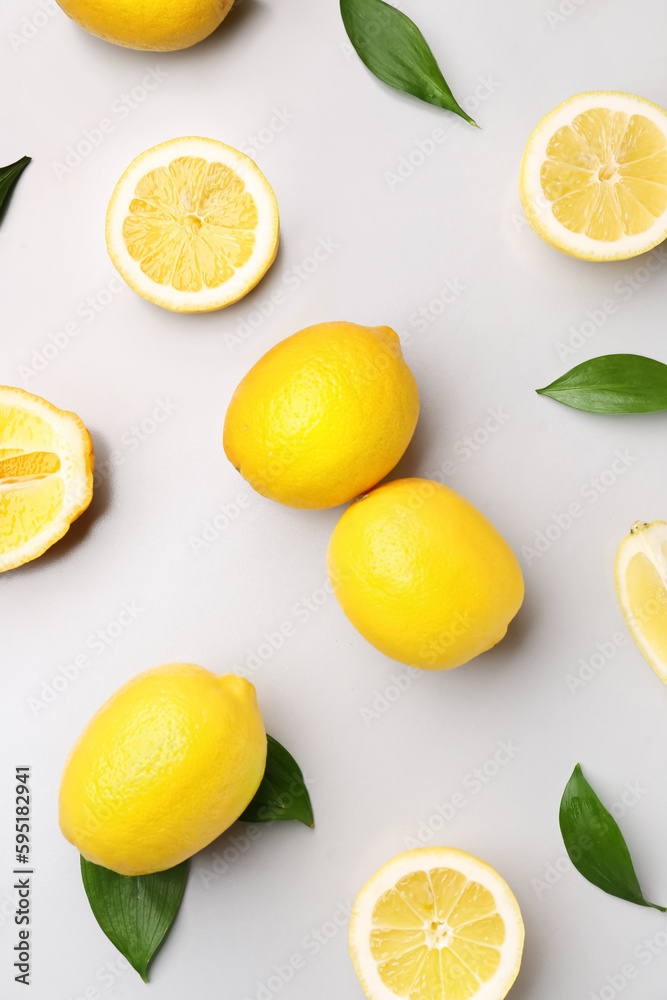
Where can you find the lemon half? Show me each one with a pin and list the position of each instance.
(641, 584)
(192, 225)
(436, 922)
(46, 474)
(594, 176)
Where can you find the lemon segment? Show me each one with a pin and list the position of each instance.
(641, 584)
(192, 225)
(436, 923)
(167, 764)
(46, 475)
(594, 176)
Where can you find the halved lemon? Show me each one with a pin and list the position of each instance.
(594, 176)
(436, 923)
(46, 474)
(192, 225)
(640, 572)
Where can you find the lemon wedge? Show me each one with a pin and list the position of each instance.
(436, 922)
(594, 176)
(640, 572)
(46, 475)
(192, 225)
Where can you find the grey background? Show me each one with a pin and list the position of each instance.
(521, 315)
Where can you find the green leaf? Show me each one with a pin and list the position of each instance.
(595, 844)
(614, 383)
(394, 49)
(8, 177)
(282, 793)
(135, 912)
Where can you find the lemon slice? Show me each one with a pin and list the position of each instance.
(46, 475)
(594, 176)
(436, 924)
(192, 225)
(641, 584)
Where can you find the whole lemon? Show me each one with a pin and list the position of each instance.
(423, 575)
(323, 415)
(166, 765)
(151, 25)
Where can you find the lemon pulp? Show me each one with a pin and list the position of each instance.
(606, 174)
(641, 582)
(191, 224)
(436, 934)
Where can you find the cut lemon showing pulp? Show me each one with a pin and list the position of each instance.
(46, 475)
(641, 585)
(594, 176)
(436, 924)
(192, 225)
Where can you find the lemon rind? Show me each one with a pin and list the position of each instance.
(135, 855)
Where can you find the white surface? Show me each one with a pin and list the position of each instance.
(455, 219)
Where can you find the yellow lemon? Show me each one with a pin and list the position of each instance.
(423, 575)
(163, 768)
(594, 176)
(323, 416)
(640, 572)
(436, 922)
(151, 25)
(192, 225)
(46, 474)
